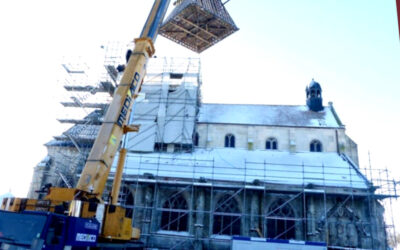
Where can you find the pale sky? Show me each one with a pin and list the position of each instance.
(350, 46)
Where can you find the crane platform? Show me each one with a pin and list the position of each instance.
(198, 24)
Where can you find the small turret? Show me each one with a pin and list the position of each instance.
(314, 96)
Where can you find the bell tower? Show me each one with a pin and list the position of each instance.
(314, 96)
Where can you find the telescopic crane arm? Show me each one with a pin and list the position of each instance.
(98, 165)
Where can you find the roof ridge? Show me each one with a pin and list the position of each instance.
(254, 104)
(268, 115)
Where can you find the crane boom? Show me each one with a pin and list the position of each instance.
(98, 165)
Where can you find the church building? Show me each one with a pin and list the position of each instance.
(204, 175)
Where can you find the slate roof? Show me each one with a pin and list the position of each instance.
(268, 115)
(268, 166)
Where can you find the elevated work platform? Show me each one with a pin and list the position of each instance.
(198, 24)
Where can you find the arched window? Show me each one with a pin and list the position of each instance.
(196, 139)
(316, 146)
(227, 216)
(271, 143)
(229, 141)
(174, 215)
(280, 221)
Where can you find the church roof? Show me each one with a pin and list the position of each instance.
(268, 115)
(241, 165)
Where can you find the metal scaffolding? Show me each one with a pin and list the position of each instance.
(89, 90)
(261, 220)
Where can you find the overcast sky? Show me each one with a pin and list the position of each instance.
(350, 46)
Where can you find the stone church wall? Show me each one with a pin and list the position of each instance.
(351, 221)
(289, 138)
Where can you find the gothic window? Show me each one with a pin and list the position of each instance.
(174, 215)
(316, 146)
(227, 216)
(280, 223)
(271, 143)
(196, 139)
(229, 141)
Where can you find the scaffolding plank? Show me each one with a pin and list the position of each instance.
(72, 71)
(79, 121)
(84, 105)
(190, 33)
(195, 25)
(79, 88)
(105, 87)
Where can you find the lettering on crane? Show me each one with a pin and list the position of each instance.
(92, 226)
(128, 100)
(86, 237)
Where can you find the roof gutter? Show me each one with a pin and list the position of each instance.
(283, 126)
(335, 114)
(355, 167)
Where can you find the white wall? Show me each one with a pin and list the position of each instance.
(213, 136)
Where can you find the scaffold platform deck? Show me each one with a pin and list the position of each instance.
(197, 24)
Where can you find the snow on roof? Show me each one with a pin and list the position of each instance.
(230, 164)
(270, 115)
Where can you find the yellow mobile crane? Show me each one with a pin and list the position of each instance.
(77, 217)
